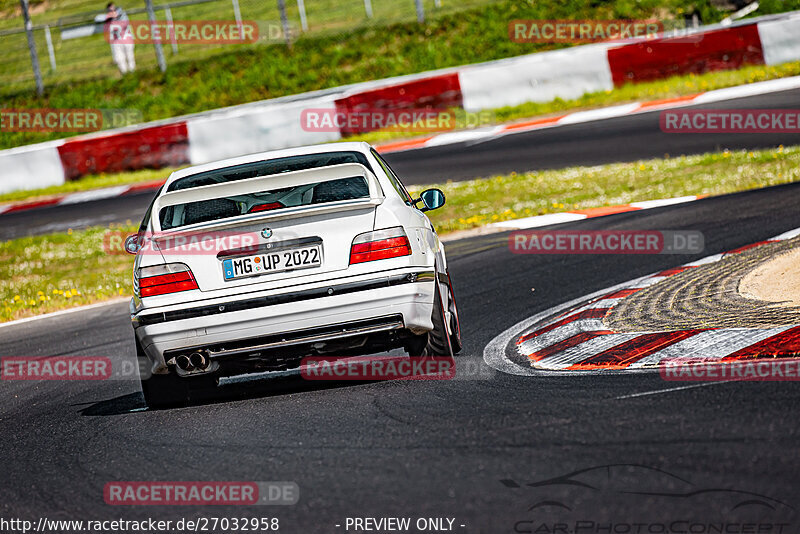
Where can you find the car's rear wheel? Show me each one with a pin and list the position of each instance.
(162, 391)
(437, 342)
(455, 324)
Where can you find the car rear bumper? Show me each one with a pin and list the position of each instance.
(301, 314)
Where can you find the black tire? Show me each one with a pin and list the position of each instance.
(437, 341)
(162, 391)
(455, 324)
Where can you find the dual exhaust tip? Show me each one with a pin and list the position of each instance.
(194, 361)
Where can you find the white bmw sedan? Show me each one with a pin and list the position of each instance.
(250, 264)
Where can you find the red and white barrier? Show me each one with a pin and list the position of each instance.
(436, 92)
(256, 127)
(31, 167)
(724, 49)
(566, 74)
(249, 130)
(154, 147)
(780, 40)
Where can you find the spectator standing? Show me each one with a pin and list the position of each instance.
(120, 38)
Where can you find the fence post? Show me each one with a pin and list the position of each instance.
(50, 50)
(287, 32)
(368, 8)
(37, 72)
(171, 29)
(420, 11)
(237, 15)
(151, 16)
(301, 6)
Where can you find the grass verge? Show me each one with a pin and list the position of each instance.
(71, 269)
(52, 272)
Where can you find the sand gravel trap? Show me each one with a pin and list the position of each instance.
(777, 280)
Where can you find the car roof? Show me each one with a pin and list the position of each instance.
(348, 146)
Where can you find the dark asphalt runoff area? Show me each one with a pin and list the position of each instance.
(625, 449)
(627, 138)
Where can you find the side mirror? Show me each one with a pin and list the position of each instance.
(132, 244)
(431, 199)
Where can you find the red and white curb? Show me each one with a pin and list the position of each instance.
(83, 196)
(571, 337)
(579, 117)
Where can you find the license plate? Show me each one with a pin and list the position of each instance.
(272, 262)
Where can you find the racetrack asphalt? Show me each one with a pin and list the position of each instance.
(463, 448)
(620, 139)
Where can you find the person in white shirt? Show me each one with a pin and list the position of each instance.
(120, 38)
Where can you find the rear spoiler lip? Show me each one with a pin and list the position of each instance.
(272, 181)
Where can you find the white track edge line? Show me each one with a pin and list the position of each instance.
(65, 312)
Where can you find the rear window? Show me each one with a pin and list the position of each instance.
(289, 197)
(269, 167)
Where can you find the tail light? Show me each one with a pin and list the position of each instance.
(379, 245)
(163, 279)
